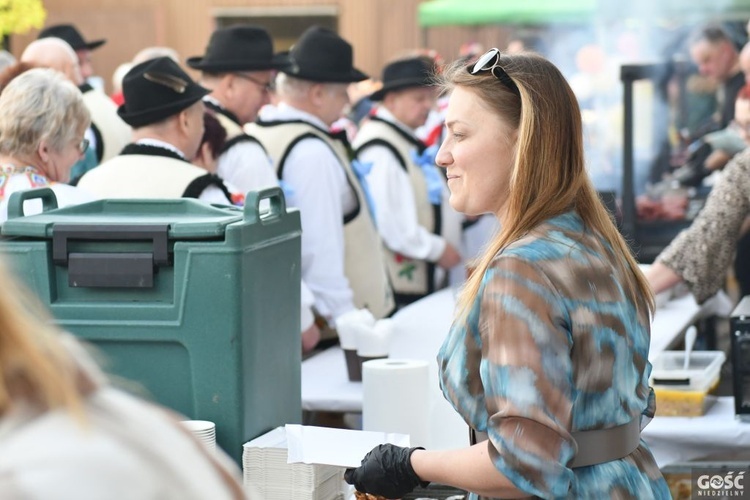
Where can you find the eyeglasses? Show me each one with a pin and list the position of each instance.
(266, 86)
(489, 62)
(83, 146)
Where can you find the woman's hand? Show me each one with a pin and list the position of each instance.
(386, 471)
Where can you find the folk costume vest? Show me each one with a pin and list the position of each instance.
(411, 278)
(112, 134)
(144, 171)
(363, 252)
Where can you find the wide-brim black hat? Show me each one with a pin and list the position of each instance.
(238, 48)
(320, 55)
(155, 90)
(70, 34)
(406, 73)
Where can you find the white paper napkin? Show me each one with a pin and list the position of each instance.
(376, 342)
(351, 325)
(329, 446)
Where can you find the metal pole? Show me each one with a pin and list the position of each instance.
(628, 196)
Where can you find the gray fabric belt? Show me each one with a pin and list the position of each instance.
(597, 446)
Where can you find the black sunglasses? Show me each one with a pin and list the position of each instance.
(489, 62)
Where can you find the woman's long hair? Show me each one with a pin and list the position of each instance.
(35, 367)
(549, 176)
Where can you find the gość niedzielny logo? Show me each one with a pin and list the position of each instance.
(724, 485)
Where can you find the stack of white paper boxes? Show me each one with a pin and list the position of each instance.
(266, 471)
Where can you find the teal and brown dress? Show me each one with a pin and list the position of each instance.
(554, 345)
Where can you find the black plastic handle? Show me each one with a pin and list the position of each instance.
(158, 234)
(17, 199)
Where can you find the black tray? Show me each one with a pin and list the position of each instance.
(436, 492)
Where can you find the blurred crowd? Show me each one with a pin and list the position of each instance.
(354, 153)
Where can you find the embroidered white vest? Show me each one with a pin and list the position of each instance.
(115, 133)
(363, 248)
(140, 176)
(410, 277)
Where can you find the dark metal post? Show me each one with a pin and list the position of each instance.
(630, 73)
(628, 196)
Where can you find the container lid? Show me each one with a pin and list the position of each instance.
(186, 218)
(704, 369)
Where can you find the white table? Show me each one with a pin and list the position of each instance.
(681, 439)
(421, 328)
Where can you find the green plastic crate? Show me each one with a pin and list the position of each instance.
(198, 304)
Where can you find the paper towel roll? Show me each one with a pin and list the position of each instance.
(396, 398)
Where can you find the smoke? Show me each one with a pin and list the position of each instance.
(591, 54)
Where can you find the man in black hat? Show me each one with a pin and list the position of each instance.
(422, 231)
(238, 67)
(165, 108)
(342, 259)
(83, 49)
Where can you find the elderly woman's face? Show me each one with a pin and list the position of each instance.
(60, 162)
(477, 154)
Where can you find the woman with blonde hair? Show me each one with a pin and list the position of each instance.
(66, 433)
(42, 123)
(547, 361)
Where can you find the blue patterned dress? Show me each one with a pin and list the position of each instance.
(553, 345)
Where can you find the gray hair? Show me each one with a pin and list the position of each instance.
(40, 105)
(289, 87)
(295, 89)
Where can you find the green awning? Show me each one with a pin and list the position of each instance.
(479, 12)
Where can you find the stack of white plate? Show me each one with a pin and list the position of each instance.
(203, 430)
(265, 471)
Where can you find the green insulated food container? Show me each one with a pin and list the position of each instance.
(197, 304)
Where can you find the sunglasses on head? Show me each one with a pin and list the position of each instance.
(489, 61)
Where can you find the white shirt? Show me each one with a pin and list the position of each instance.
(126, 449)
(92, 461)
(395, 206)
(245, 166)
(66, 195)
(321, 192)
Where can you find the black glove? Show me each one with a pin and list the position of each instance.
(386, 471)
